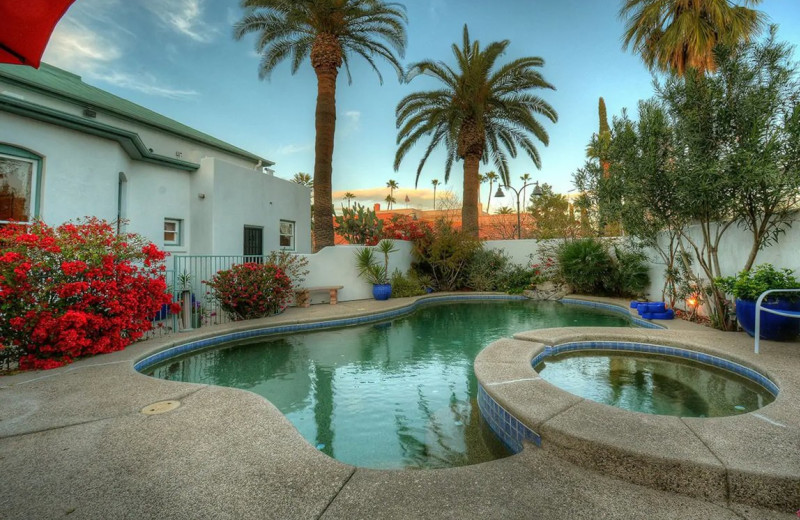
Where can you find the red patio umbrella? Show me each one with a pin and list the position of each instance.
(25, 28)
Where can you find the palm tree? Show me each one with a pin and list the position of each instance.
(303, 179)
(492, 176)
(389, 201)
(481, 111)
(673, 35)
(435, 183)
(330, 32)
(525, 178)
(505, 210)
(348, 197)
(392, 185)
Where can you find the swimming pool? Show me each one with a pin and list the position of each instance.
(394, 394)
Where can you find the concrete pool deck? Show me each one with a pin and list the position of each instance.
(73, 442)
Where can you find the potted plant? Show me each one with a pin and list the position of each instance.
(747, 286)
(373, 272)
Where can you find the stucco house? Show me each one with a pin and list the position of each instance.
(68, 150)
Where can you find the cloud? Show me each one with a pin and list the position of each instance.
(88, 42)
(74, 44)
(142, 83)
(289, 149)
(185, 17)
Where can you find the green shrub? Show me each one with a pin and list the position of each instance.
(444, 256)
(585, 265)
(517, 278)
(404, 286)
(487, 270)
(748, 285)
(631, 274)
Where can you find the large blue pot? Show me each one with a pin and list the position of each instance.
(773, 327)
(382, 291)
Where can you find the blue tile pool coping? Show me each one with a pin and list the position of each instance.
(190, 346)
(510, 430)
(662, 350)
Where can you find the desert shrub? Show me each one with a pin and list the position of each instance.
(75, 290)
(486, 270)
(406, 285)
(585, 265)
(444, 255)
(251, 290)
(517, 278)
(359, 225)
(631, 274)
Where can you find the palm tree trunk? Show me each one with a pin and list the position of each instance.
(325, 122)
(469, 208)
(489, 201)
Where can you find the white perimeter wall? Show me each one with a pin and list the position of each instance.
(733, 252)
(337, 266)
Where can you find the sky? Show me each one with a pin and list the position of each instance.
(179, 58)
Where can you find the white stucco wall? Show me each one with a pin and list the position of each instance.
(337, 266)
(733, 252)
(80, 177)
(243, 197)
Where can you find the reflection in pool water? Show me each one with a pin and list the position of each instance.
(654, 384)
(395, 394)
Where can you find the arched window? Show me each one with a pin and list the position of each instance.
(20, 184)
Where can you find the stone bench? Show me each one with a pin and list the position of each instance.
(303, 295)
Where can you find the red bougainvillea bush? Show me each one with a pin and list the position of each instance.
(75, 290)
(251, 290)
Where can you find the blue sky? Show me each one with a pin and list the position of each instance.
(178, 57)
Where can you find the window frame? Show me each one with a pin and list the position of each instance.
(178, 232)
(292, 236)
(37, 161)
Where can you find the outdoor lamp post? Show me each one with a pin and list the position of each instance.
(537, 191)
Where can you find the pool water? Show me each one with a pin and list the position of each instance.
(394, 394)
(654, 384)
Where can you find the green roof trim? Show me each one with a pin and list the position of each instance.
(62, 84)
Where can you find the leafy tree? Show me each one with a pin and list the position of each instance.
(483, 110)
(551, 213)
(330, 32)
(709, 153)
(675, 35)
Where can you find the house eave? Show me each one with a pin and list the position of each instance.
(129, 141)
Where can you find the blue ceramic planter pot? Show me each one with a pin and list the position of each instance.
(382, 291)
(776, 328)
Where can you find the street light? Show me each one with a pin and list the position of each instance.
(537, 192)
